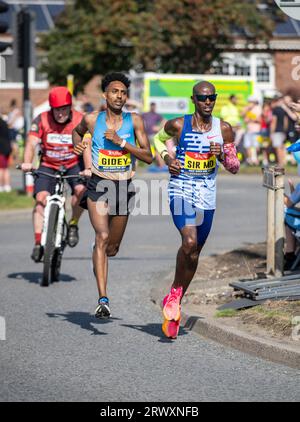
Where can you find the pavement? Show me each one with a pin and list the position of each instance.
(202, 322)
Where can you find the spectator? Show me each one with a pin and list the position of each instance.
(153, 122)
(102, 106)
(132, 106)
(292, 213)
(15, 120)
(291, 134)
(5, 151)
(88, 107)
(278, 130)
(292, 224)
(266, 120)
(252, 116)
(230, 113)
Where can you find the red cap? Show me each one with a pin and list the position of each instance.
(60, 96)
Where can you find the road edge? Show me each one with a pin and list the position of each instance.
(232, 337)
(22, 212)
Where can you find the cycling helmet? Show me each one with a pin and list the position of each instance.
(60, 96)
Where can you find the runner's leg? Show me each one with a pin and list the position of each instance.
(193, 240)
(98, 212)
(117, 226)
(187, 258)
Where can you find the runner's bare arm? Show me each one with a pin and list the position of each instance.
(143, 152)
(172, 129)
(230, 160)
(87, 154)
(77, 136)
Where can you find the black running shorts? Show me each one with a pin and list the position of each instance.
(118, 194)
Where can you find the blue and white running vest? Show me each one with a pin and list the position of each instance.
(108, 157)
(196, 182)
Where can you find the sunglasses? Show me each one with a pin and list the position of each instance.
(203, 98)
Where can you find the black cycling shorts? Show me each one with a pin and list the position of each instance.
(117, 194)
(44, 183)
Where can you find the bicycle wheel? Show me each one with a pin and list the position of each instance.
(49, 251)
(56, 264)
(58, 254)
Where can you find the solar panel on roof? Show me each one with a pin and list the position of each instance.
(40, 19)
(7, 18)
(55, 10)
(285, 29)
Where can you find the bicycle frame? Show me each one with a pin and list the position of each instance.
(60, 201)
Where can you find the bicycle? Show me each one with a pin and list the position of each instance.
(54, 233)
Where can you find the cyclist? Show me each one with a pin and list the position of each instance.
(202, 142)
(113, 152)
(53, 130)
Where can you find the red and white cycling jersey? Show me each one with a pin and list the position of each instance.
(56, 139)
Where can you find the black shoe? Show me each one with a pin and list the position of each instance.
(102, 310)
(37, 253)
(73, 236)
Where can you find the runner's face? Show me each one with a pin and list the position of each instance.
(62, 114)
(204, 108)
(116, 95)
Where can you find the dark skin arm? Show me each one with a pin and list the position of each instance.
(228, 138)
(173, 128)
(87, 124)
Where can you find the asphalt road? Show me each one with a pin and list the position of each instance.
(56, 351)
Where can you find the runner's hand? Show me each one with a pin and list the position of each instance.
(112, 136)
(80, 147)
(86, 173)
(174, 166)
(215, 148)
(26, 167)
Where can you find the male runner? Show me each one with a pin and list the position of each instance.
(112, 155)
(202, 142)
(53, 129)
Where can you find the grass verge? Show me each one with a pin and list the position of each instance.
(15, 200)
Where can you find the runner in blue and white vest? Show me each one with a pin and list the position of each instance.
(203, 142)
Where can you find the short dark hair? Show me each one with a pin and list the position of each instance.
(115, 76)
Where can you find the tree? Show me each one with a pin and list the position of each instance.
(96, 36)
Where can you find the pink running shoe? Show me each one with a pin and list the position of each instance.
(171, 305)
(170, 328)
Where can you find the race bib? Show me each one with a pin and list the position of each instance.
(114, 161)
(196, 164)
(59, 139)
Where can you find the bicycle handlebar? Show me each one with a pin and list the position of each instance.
(55, 176)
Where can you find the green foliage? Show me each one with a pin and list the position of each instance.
(96, 36)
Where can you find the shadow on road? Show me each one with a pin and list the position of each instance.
(36, 277)
(190, 323)
(122, 258)
(83, 320)
(155, 331)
